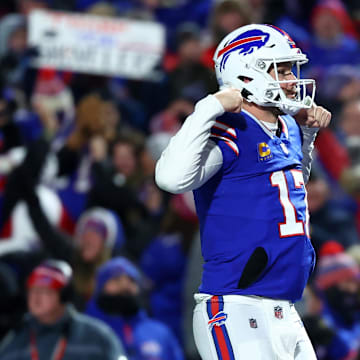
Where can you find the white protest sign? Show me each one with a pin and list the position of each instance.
(96, 45)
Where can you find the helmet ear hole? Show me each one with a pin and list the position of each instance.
(246, 94)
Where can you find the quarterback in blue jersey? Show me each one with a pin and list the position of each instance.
(247, 161)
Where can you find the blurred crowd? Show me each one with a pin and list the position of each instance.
(96, 262)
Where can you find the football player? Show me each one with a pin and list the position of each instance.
(247, 161)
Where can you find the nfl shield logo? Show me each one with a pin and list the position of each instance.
(278, 311)
(253, 323)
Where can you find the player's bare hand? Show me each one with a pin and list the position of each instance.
(318, 117)
(230, 99)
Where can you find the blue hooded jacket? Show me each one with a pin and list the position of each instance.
(143, 338)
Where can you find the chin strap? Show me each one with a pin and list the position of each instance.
(293, 110)
(285, 108)
(289, 110)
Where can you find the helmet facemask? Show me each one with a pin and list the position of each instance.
(273, 93)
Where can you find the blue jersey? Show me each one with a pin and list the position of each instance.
(143, 338)
(253, 213)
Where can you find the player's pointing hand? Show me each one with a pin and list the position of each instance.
(230, 99)
(317, 116)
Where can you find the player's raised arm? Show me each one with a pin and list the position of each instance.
(191, 158)
(316, 117)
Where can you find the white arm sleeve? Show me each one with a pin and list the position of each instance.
(191, 158)
(309, 136)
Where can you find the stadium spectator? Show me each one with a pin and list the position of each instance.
(333, 52)
(117, 302)
(337, 285)
(190, 78)
(337, 155)
(97, 232)
(166, 277)
(121, 185)
(169, 120)
(72, 141)
(53, 328)
(328, 221)
(225, 17)
(12, 299)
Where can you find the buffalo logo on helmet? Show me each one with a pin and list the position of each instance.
(218, 319)
(245, 43)
(278, 312)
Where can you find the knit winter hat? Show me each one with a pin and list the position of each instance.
(115, 267)
(338, 10)
(105, 222)
(333, 269)
(53, 274)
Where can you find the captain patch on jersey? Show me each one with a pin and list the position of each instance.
(264, 152)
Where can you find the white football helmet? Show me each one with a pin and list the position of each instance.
(248, 53)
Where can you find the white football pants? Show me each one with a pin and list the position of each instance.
(233, 327)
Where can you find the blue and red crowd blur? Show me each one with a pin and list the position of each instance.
(78, 152)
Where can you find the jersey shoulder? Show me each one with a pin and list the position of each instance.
(225, 132)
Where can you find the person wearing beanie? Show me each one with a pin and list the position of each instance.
(97, 233)
(105, 222)
(337, 287)
(336, 269)
(52, 92)
(52, 329)
(166, 278)
(116, 301)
